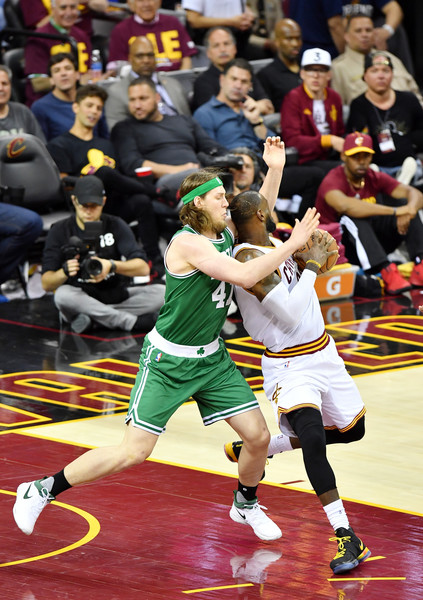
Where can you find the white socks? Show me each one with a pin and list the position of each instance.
(279, 443)
(336, 515)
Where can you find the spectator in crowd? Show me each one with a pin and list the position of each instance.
(36, 13)
(321, 24)
(143, 62)
(54, 110)
(311, 114)
(15, 118)
(233, 122)
(64, 15)
(232, 115)
(19, 228)
(78, 152)
(393, 119)
(347, 69)
(221, 49)
(204, 14)
(283, 74)
(249, 176)
(389, 33)
(168, 145)
(353, 195)
(2, 17)
(172, 45)
(261, 43)
(105, 295)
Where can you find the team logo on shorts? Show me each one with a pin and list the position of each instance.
(158, 357)
(275, 395)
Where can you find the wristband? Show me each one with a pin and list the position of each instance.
(260, 122)
(389, 28)
(65, 268)
(313, 262)
(395, 212)
(112, 266)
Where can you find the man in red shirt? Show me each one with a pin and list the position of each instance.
(373, 226)
(311, 114)
(64, 14)
(36, 13)
(172, 45)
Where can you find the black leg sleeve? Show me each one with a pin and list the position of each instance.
(308, 426)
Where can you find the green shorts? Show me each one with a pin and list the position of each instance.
(165, 381)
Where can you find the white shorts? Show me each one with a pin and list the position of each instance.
(318, 380)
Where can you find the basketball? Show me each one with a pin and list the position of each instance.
(331, 261)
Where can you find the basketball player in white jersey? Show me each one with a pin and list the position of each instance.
(314, 399)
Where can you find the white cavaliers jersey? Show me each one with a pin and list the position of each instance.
(262, 326)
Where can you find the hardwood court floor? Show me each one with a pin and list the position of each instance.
(162, 530)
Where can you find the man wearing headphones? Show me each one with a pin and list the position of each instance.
(249, 176)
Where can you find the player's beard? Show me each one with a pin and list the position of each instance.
(270, 224)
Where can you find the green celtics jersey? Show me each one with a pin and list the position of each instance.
(196, 305)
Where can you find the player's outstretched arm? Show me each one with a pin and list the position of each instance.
(201, 254)
(274, 157)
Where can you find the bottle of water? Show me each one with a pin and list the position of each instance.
(96, 66)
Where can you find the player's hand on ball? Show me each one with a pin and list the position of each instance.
(321, 248)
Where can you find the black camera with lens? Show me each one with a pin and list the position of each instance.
(86, 247)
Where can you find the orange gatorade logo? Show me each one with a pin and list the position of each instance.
(15, 147)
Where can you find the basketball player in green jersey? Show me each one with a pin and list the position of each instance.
(184, 357)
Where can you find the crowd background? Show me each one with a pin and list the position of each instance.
(185, 50)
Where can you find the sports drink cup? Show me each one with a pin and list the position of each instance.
(143, 171)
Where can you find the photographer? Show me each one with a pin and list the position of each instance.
(90, 274)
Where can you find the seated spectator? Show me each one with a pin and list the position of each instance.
(168, 145)
(15, 118)
(64, 15)
(347, 69)
(311, 114)
(353, 195)
(79, 152)
(36, 13)
(249, 176)
(321, 24)
(104, 297)
(283, 74)
(221, 49)
(54, 110)
(393, 119)
(232, 115)
(389, 33)
(172, 45)
(204, 14)
(261, 43)
(233, 122)
(19, 228)
(143, 62)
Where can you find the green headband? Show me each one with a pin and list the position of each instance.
(202, 189)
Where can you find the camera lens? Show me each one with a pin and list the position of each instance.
(93, 267)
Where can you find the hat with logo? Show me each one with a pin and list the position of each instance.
(377, 58)
(358, 142)
(316, 56)
(89, 190)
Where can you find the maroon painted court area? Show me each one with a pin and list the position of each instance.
(165, 533)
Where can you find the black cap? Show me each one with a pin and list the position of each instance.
(377, 58)
(89, 190)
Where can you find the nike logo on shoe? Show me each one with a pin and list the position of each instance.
(241, 515)
(26, 495)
